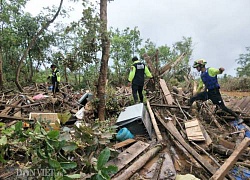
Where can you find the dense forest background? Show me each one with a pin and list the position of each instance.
(90, 57)
(30, 44)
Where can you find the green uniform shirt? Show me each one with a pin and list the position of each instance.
(133, 70)
(211, 72)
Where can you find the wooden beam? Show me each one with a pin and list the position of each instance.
(229, 163)
(138, 164)
(156, 128)
(166, 92)
(123, 143)
(170, 106)
(128, 155)
(174, 131)
(170, 65)
(13, 118)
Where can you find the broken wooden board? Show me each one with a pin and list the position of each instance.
(194, 132)
(139, 163)
(149, 169)
(123, 143)
(128, 155)
(208, 140)
(166, 92)
(8, 109)
(229, 163)
(174, 131)
(168, 170)
(49, 120)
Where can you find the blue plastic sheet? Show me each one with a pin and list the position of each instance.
(241, 173)
(241, 127)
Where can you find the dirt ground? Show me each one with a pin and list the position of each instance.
(235, 93)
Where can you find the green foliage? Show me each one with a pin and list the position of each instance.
(58, 151)
(103, 172)
(244, 62)
(124, 45)
(229, 83)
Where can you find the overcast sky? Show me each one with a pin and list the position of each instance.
(220, 29)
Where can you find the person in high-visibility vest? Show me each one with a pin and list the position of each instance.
(136, 78)
(208, 77)
(55, 78)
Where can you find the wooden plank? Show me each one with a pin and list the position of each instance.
(166, 92)
(229, 163)
(194, 132)
(128, 155)
(13, 118)
(174, 131)
(49, 120)
(139, 163)
(236, 106)
(123, 143)
(168, 170)
(244, 103)
(8, 109)
(170, 106)
(208, 140)
(226, 143)
(156, 128)
(149, 169)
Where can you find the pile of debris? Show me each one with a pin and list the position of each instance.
(181, 142)
(161, 139)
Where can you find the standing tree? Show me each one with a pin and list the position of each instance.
(31, 44)
(124, 45)
(244, 61)
(105, 45)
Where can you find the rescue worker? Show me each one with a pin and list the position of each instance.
(136, 78)
(55, 78)
(208, 77)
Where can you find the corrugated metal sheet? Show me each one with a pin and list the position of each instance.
(242, 105)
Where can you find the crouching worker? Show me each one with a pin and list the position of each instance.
(208, 77)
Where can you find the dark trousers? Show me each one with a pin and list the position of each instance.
(137, 89)
(215, 96)
(55, 87)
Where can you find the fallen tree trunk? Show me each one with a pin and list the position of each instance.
(139, 163)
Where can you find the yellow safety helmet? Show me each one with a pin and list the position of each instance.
(199, 63)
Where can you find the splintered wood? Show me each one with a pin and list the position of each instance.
(128, 155)
(194, 131)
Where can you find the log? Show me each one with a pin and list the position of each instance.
(170, 106)
(149, 63)
(166, 92)
(229, 163)
(203, 150)
(156, 128)
(172, 129)
(167, 171)
(227, 152)
(139, 163)
(128, 155)
(123, 143)
(170, 65)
